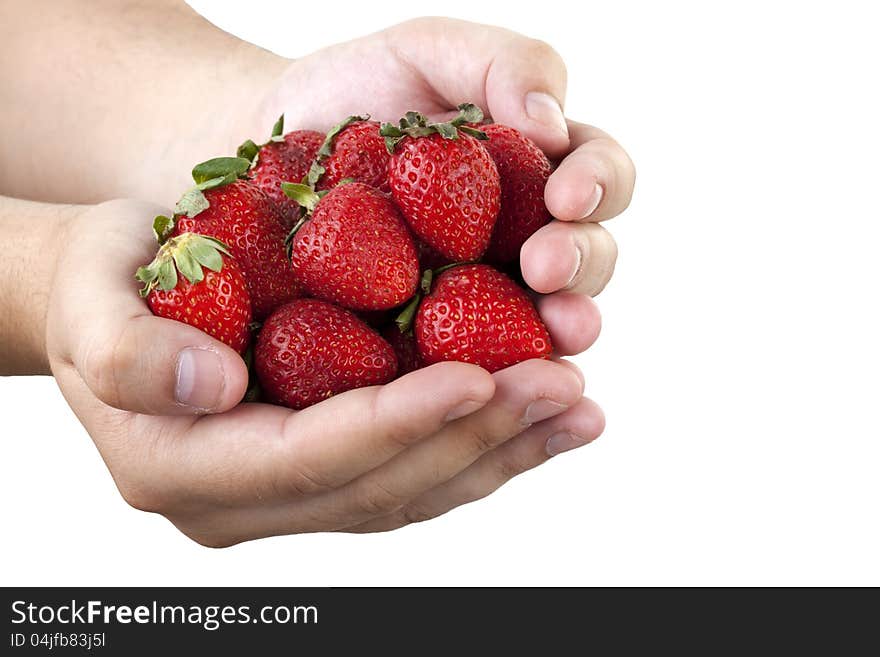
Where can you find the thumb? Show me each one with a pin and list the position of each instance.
(128, 358)
(151, 365)
(519, 80)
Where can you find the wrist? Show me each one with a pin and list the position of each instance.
(33, 236)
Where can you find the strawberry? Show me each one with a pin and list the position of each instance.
(524, 170)
(215, 301)
(405, 348)
(309, 350)
(282, 158)
(444, 182)
(353, 248)
(239, 214)
(476, 314)
(352, 150)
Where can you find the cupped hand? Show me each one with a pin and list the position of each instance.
(432, 65)
(161, 401)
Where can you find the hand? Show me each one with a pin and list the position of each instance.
(160, 399)
(432, 65)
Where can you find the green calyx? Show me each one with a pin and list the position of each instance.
(188, 254)
(250, 150)
(213, 173)
(416, 125)
(302, 194)
(307, 199)
(317, 169)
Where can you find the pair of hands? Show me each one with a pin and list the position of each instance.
(161, 399)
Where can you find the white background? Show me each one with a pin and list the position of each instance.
(739, 361)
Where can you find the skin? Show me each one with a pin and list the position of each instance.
(372, 459)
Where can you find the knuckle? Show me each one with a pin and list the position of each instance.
(413, 513)
(396, 434)
(105, 359)
(539, 50)
(377, 500)
(481, 439)
(507, 469)
(305, 482)
(142, 498)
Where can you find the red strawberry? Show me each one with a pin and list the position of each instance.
(476, 314)
(444, 182)
(240, 215)
(309, 350)
(282, 158)
(355, 248)
(405, 348)
(524, 170)
(215, 301)
(354, 150)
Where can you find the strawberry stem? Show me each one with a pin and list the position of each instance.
(415, 125)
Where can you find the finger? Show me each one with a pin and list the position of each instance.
(271, 455)
(130, 359)
(578, 426)
(364, 428)
(594, 182)
(519, 81)
(573, 321)
(575, 257)
(244, 465)
(524, 394)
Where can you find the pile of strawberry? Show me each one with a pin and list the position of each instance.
(337, 261)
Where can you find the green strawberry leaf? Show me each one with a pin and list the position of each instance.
(326, 150)
(467, 113)
(167, 275)
(304, 195)
(162, 228)
(278, 130)
(147, 275)
(415, 124)
(314, 175)
(249, 151)
(392, 135)
(473, 132)
(220, 167)
(191, 203)
(447, 130)
(206, 252)
(187, 265)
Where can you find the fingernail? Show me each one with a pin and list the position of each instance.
(541, 409)
(464, 408)
(545, 109)
(594, 201)
(578, 259)
(200, 379)
(562, 442)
